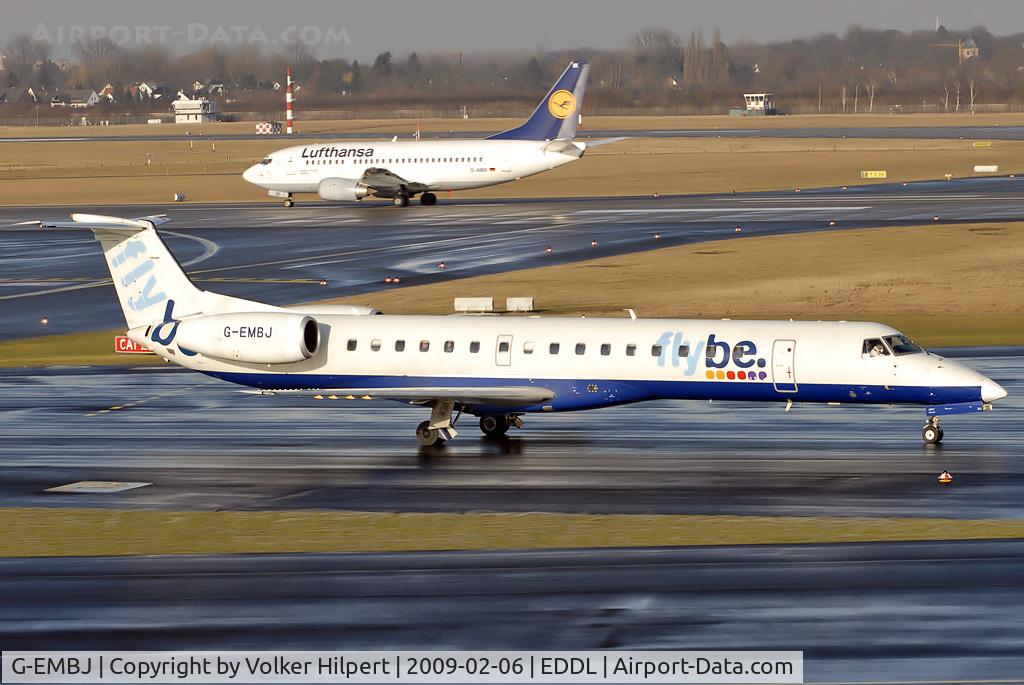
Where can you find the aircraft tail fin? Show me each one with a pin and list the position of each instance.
(146, 275)
(558, 114)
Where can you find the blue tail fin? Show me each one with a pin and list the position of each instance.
(557, 115)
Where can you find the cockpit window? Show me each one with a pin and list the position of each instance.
(873, 347)
(266, 160)
(901, 345)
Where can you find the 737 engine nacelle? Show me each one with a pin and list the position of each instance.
(257, 338)
(342, 190)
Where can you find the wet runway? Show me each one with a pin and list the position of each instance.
(279, 255)
(894, 612)
(887, 132)
(900, 612)
(204, 445)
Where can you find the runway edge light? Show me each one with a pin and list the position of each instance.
(945, 477)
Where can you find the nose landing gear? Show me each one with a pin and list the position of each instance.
(932, 432)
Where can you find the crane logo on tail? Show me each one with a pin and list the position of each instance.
(561, 104)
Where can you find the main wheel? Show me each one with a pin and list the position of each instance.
(289, 202)
(494, 426)
(401, 201)
(932, 435)
(428, 436)
(428, 199)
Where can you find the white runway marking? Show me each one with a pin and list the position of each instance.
(719, 210)
(210, 248)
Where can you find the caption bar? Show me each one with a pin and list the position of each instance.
(403, 667)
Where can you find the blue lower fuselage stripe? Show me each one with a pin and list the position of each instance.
(572, 394)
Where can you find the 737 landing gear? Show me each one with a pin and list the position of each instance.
(428, 199)
(496, 425)
(289, 202)
(932, 432)
(401, 200)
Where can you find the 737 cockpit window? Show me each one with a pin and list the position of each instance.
(873, 347)
(901, 345)
(266, 160)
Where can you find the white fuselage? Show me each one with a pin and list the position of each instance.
(589, 363)
(437, 164)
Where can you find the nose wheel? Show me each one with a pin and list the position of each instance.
(932, 432)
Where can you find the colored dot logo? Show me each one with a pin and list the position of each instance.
(735, 375)
(561, 104)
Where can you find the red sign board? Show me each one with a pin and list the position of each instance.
(125, 345)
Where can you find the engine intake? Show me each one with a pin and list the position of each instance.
(257, 338)
(341, 190)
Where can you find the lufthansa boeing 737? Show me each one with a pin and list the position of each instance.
(501, 368)
(348, 171)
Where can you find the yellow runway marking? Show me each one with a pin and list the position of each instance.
(136, 403)
(29, 532)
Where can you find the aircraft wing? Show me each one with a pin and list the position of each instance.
(503, 395)
(388, 184)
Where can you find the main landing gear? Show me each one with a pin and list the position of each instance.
(401, 200)
(428, 199)
(289, 202)
(441, 426)
(932, 432)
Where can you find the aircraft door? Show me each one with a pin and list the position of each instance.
(784, 365)
(503, 351)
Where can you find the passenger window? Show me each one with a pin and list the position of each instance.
(553, 348)
(375, 344)
(528, 348)
(474, 347)
(449, 346)
(873, 347)
(351, 345)
(503, 346)
(581, 348)
(424, 345)
(655, 350)
(684, 351)
(606, 349)
(399, 346)
(630, 350)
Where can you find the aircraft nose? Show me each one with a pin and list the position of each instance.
(250, 174)
(991, 391)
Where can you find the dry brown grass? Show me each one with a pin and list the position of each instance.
(594, 123)
(91, 172)
(61, 532)
(944, 285)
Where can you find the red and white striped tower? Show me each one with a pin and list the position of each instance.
(288, 103)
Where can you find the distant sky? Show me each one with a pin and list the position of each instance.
(362, 29)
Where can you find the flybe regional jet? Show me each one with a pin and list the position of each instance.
(501, 368)
(348, 171)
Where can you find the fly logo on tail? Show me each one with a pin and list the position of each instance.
(132, 251)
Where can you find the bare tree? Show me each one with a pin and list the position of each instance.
(856, 97)
(843, 93)
(973, 91)
(656, 48)
(870, 87)
(24, 54)
(956, 86)
(819, 97)
(945, 95)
